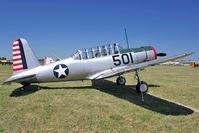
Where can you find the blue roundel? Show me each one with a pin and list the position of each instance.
(61, 71)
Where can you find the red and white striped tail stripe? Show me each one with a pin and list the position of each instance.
(17, 61)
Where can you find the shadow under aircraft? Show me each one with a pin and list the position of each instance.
(127, 93)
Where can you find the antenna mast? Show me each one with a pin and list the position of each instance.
(126, 38)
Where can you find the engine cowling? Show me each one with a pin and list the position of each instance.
(142, 54)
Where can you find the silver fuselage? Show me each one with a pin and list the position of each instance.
(83, 69)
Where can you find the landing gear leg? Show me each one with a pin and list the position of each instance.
(138, 77)
(141, 86)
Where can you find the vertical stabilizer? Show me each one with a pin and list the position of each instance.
(23, 56)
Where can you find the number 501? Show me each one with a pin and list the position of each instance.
(126, 59)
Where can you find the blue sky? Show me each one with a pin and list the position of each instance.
(60, 27)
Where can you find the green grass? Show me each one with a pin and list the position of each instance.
(116, 117)
(1, 130)
(102, 106)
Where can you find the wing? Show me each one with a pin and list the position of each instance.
(120, 70)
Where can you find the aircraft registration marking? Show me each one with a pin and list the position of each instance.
(122, 58)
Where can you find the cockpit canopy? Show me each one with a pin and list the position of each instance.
(97, 52)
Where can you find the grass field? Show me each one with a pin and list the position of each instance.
(102, 106)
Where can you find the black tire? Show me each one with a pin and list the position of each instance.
(138, 87)
(121, 80)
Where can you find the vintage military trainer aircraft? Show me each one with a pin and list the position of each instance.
(89, 64)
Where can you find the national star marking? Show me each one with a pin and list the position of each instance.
(61, 71)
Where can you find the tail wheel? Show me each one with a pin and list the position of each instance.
(142, 87)
(121, 80)
(25, 84)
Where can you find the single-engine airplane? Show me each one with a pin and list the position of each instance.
(89, 64)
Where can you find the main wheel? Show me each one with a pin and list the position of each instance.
(142, 87)
(121, 80)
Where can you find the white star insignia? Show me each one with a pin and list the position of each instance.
(61, 71)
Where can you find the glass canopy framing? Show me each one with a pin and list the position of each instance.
(97, 52)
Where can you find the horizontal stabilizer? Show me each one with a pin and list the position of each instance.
(20, 79)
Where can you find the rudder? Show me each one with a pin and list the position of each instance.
(23, 56)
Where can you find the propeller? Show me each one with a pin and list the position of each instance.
(161, 54)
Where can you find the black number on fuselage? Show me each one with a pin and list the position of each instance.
(131, 57)
(117, 61)
(125, 59)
